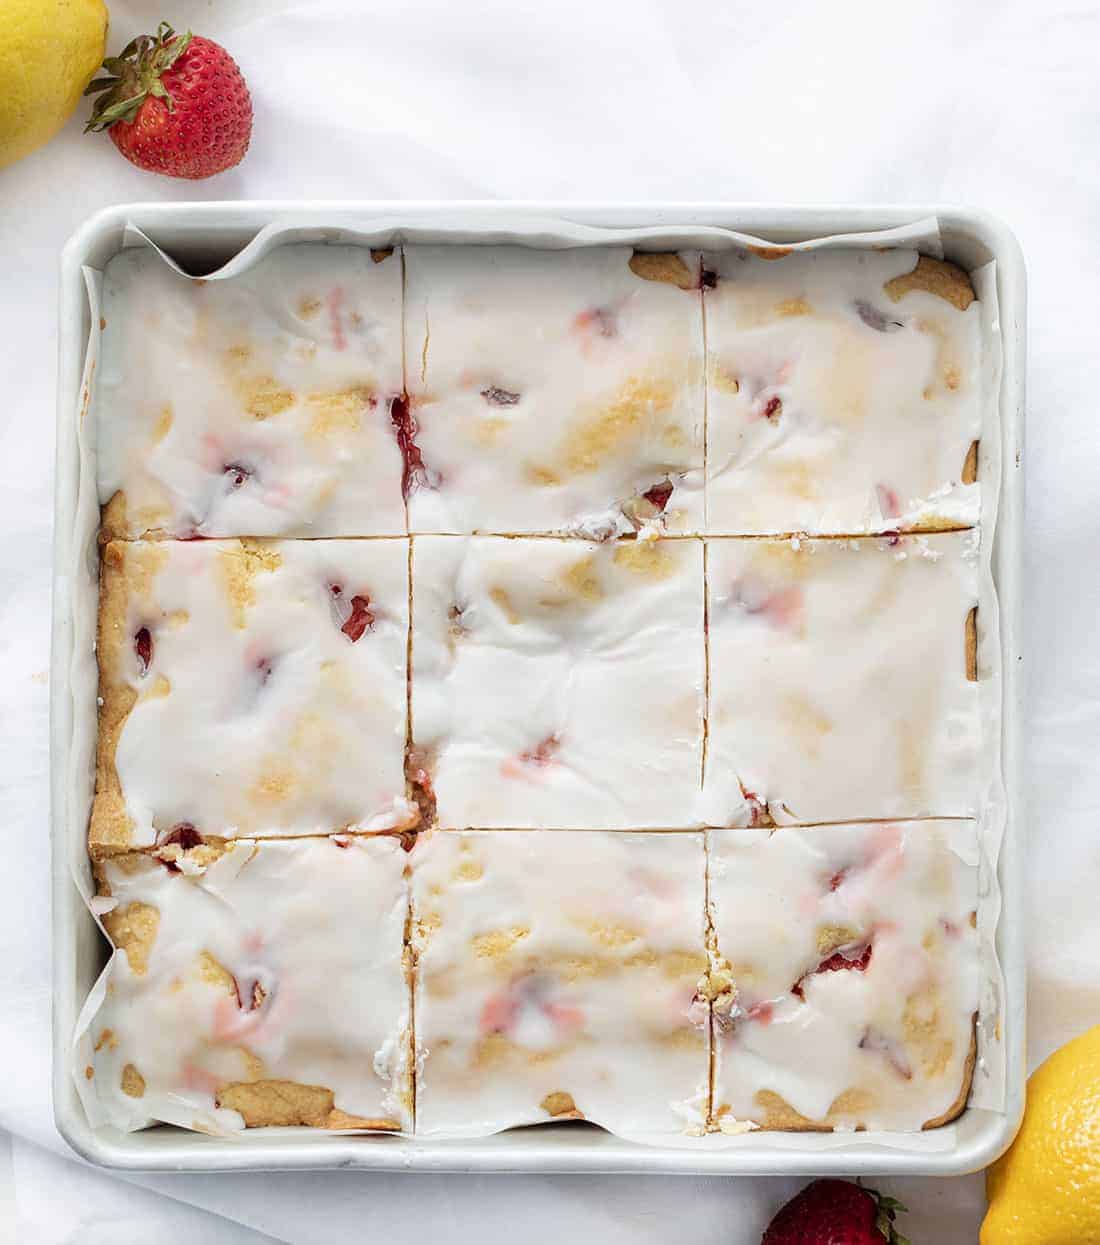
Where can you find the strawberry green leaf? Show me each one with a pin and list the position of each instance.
(100, 84)
(886, 1209)
(135, 75)
(175, 50)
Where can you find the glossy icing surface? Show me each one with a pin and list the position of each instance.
(262, 985)
(843, 395)
(838, 679)
(558, 684)
(594, 667)
(556, 977)
(254, 406)
(847, 973)
(553, 389)
(251, 687)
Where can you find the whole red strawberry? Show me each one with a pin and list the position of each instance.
(836, 1212)
(174, 104)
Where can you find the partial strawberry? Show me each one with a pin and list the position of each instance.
(174, 104)
(836, 1212)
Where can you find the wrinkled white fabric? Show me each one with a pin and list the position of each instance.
(992, 103)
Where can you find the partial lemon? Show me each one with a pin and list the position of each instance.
(1046, 1189)
(49, 50)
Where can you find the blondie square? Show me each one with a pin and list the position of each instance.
(557, 978)
(842, 679)
(554, 391)
(843, 393)
(259, 984)
(258, 405)
(250, 688)
(558, 684)
(846, 977)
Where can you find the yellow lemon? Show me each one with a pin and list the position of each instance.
(49, 50)
(1046, 1189)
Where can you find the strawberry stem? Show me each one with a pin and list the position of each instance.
(135, 75)
(886, 1209)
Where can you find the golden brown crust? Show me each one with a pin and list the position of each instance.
(934, 276)
(277, 1103)
(111, 826)
(772, 252)
(112, 519)
(959, 1105)
(132, 1083)
(972, 645)
(560, 1106)
(341, 1119)
(203, 855)
(273, 1104)
(240, 562)
(117, 523)
(779, 1116)
(133, 929)
(970, 466)
(664, 266)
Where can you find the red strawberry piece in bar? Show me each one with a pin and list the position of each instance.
(419, 789)
(143, 647)
(543, 752)
(354, 617)
(359, 620)
(563, 1015)
(763, 1012)
(183, 835)
(531, 993)
(780, 606)
(857, 959)
(840, 960)
(237, 474)
(499, 1012)
(758, 808)
(658, 495)
(415, 472)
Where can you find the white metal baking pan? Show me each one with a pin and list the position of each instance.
(201, 236)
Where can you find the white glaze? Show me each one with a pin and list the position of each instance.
(906, 889)
(870, 437)
(274, 721)
(320, 325)
(838, 685)
(598, 941)
(568, 690)
(320, 927)
(600, 372)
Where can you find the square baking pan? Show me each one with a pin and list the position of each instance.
(201, 236)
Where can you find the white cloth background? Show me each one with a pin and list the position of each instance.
(987, 103)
